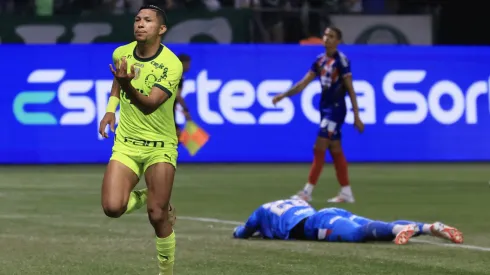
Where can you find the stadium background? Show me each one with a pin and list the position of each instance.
(427, 59)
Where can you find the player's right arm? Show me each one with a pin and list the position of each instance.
(161, 91)
(251, 226)
(110, 115)
(298, 87)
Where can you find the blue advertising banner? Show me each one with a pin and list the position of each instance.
(418, 103)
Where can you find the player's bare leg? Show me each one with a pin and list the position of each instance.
(341, 171)
(118, 182)
(319, 149)
(159, 179)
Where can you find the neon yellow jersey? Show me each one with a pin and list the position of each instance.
(163, 70)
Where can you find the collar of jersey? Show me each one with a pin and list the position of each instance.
(148, 58)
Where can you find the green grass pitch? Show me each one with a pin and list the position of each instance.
(51, 221)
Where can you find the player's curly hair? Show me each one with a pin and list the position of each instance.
(162, 16)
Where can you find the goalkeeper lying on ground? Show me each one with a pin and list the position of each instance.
(297, 220)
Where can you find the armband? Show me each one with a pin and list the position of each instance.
(112, 105)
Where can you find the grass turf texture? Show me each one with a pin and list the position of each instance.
(51, 221)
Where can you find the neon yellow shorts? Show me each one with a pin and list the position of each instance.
(139, 155)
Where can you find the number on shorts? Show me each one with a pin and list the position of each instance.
(280, 207)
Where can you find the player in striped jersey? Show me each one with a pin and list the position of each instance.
(334, 72)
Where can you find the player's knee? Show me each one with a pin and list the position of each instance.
(321, 144)
(335, 147)
(158, 212)
(320, 147)
(112, 210)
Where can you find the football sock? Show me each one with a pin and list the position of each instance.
(340, 164)
(166, 254)
(136, 200)
(316, 168)
(423, 227)
(380, 231)
(308, 189)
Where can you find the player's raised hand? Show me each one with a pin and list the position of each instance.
(121, 70)
(358, 124)
(108, 119)
(277, 98)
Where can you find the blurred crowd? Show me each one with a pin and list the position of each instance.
(50, 7)
(303, 19)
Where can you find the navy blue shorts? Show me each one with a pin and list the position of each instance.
(331, 123)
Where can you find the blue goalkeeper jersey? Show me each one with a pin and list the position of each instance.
(274, 220)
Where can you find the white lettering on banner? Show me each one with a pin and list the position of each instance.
(474, 91)
(70, 95)
(451, 89)
(74, 95)
(404, 97)
(234, 95)
(307, 95)
(366, 102)
(235, 98)
(265, 93)
(204, 87)
(432, 104)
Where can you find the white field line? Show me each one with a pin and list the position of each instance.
(228, 222)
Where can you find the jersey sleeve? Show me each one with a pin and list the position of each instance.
(116, 54)
(315, 68)
(344, 65)
(170, 78)
(251, 226)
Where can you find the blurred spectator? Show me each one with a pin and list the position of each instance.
(355, 6)
(275, 21)
(22, 6)
(126, 6)
(44, 7)
(270, 20)
(375, 6)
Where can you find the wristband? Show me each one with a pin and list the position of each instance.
(112, 105)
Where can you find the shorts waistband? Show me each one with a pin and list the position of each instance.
(141, 142)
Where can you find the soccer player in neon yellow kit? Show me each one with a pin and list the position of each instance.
(146, 78)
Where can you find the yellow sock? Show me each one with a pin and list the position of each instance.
(166, 254)
(136, 200)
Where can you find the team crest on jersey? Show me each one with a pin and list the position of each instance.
(137, 71)
(150, 80)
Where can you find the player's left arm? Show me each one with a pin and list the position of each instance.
(346, 74)
(162, 90)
